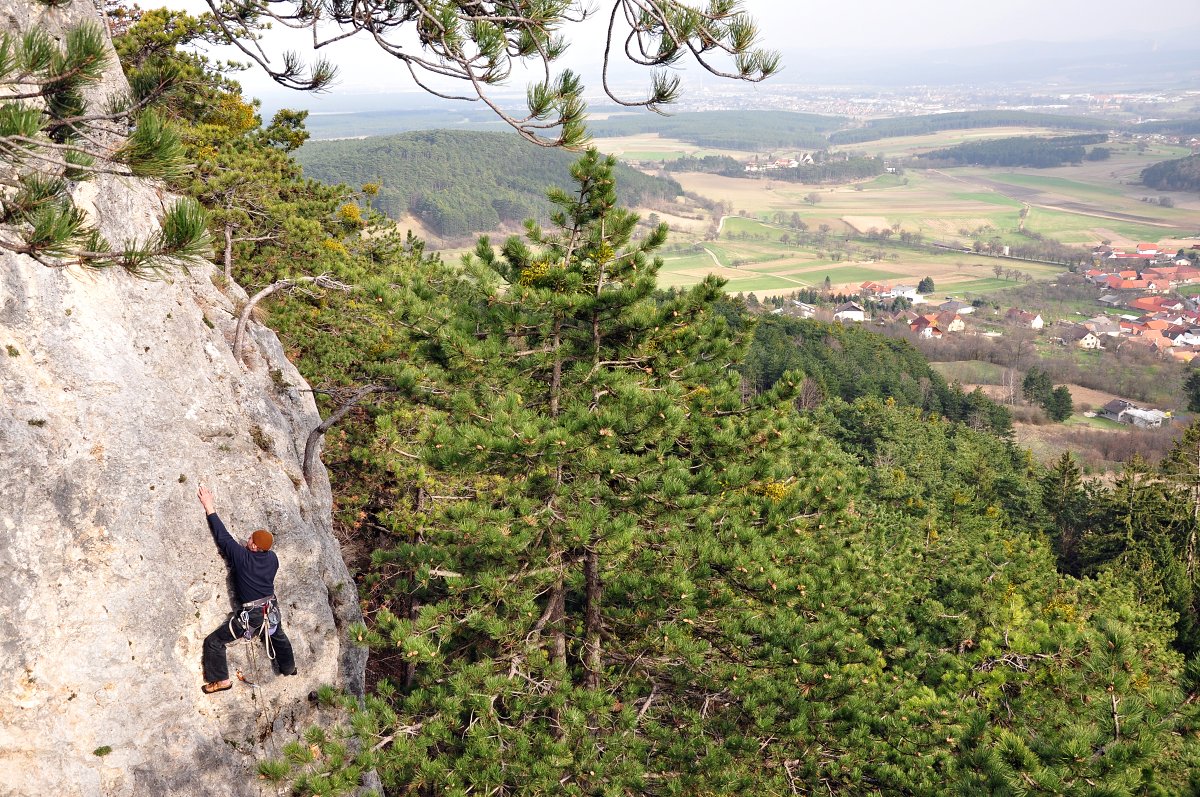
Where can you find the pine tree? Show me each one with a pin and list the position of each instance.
(1037, 386)
(573, 481)
(1191, 389)
(52, 137)
(1058, 404)
(1066, 503)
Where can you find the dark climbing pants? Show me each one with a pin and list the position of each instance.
(216, 667)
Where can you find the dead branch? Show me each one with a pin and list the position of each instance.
(310, 445)
(320, 281)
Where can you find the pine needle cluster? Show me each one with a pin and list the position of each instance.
(52, 137)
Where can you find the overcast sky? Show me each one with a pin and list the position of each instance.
(862, 28)
(918, 24)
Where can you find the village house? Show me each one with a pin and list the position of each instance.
(962, 308)
(950, 321)
(795, 309)
(1183, 335)
(1123, 411)
(850, 311)
(1102, 325)
(1115, 409)
(1078, 336)
(1145, 419)
(1158, 341)
(1185, 353)
(926, 326)
(1027, 320)
(1130, 257)
(1118, 283)
(1126, 412)
(1157, 304)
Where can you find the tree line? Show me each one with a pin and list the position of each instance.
(738, 130)
(826, 168)
(1038, 152)
(877, 129)
(1181, 174)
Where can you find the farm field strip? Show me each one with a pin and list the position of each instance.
(1076, 205)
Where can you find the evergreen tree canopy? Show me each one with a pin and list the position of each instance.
(1059, 405)
(598, 568)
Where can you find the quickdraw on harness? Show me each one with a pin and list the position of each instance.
(268, 609)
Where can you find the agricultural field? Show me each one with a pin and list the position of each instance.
(653, 147)
(757, 249)
(1075, 205)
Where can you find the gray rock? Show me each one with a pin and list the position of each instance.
(118, 397)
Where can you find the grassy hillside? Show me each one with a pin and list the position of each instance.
(460, 182)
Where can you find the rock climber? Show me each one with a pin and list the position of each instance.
(254, 566)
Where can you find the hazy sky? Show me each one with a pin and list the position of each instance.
(860, 28)
(918, 24)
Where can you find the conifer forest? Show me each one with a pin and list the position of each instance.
(612, 539)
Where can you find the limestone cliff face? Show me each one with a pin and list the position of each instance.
(118, 397)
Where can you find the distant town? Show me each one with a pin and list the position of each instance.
(857, 102)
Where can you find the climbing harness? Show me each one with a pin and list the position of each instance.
(268, 609)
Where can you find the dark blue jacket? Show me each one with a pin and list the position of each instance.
(253, 571)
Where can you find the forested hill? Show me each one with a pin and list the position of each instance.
(460, 182)
(1181, 174)
(764, 131)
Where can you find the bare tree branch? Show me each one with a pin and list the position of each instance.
(321, 281)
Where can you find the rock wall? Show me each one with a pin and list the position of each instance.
(118, 397)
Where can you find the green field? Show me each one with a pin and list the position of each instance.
(805, 265)
(884, 182)
(981, 286)
(1060, 185)
(1095, 423)
(971, 372)
(988, 198)
(739, 224)
(1073, 228)
(672, 263)
(853, 274)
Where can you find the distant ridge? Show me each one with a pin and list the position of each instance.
(737, 130)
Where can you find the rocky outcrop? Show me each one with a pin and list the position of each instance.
(118, 397)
